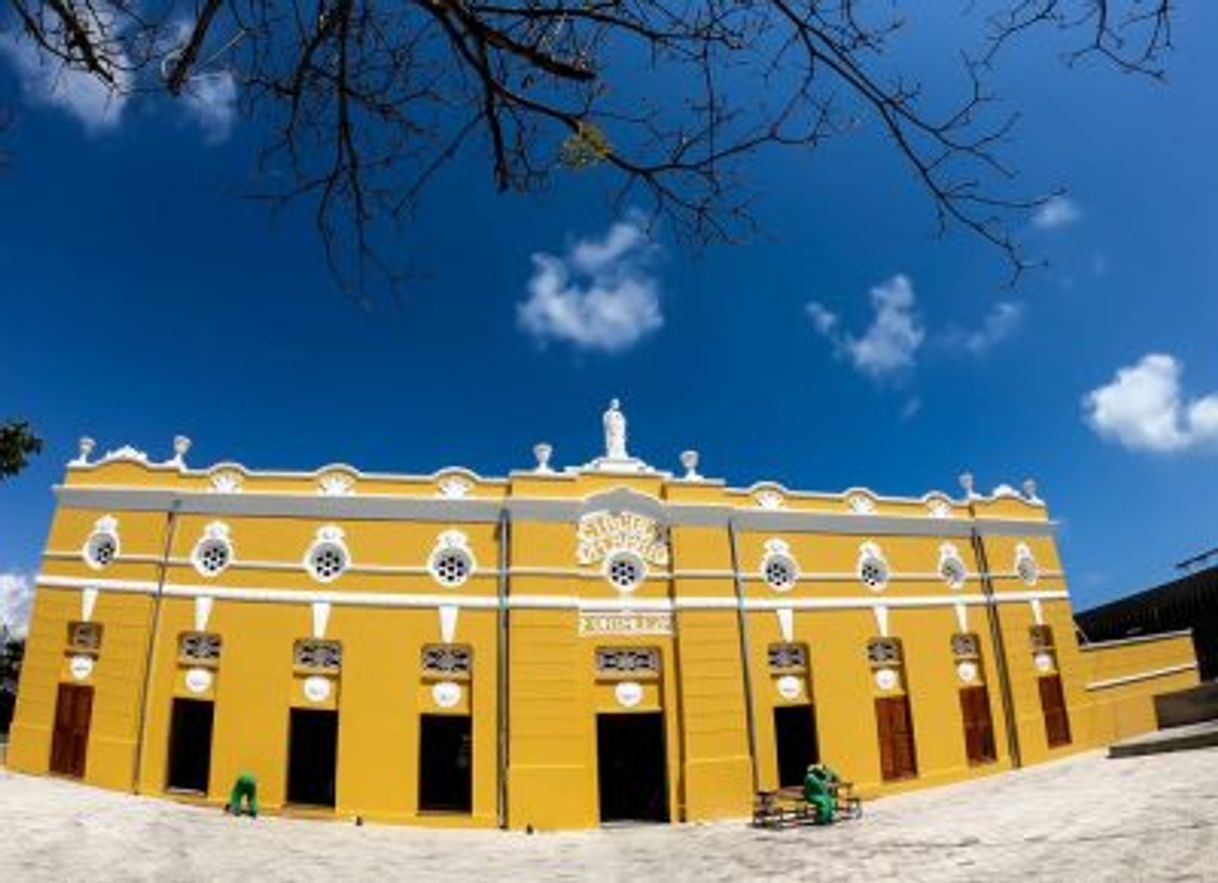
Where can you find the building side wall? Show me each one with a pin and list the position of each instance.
(1121, 679)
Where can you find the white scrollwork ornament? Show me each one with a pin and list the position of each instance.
(600, 534)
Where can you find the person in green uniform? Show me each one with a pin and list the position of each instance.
(245, 790)
(819, 785)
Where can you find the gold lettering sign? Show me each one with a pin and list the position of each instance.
(601, 533)
(625, 622)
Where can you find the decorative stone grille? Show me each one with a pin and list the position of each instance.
(965, 646)
(632, 661)
(447, 659)
(318, 655)
(884, 651)
(1041, 637)
(85, 636)
(199, 647)
(788, 656)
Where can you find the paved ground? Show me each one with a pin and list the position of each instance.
(1088, 818)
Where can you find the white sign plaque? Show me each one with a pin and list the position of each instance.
(625, 622)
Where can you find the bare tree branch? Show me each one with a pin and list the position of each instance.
(363, 103)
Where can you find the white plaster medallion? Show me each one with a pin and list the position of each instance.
(446, 694)
(860, 504)
(317, 688)
(1044, 662)
(81, 667)
(454, 487)
(967, 672)
(628, 693)
(789, 687)
(768, 500)
(885, 678)
(198, 680)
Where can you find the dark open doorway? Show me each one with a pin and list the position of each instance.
(631, 766)
(190, 745)
(312, 756)
(795, 741)
(445, 763)
(70, 740)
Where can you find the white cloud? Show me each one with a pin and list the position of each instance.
(1143, 408)
(47, 80)
(890, 344)
(600, 296)
(16, 601)
(211, 101)
(1057, 211)
(999, 324)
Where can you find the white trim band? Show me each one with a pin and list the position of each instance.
(524, 601)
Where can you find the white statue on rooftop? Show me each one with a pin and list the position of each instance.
(615, 432)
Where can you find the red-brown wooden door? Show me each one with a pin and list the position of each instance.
(978, 725)
(1053, 704)
(70, 741)
(898, 757)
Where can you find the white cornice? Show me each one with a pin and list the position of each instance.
(129, 456)
(547, 509)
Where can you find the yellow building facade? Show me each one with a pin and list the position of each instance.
(556, 648)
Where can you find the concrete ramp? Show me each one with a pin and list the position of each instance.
(1186, 738)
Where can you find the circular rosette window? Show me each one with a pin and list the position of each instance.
(327, 561)
(625, 571)
(873, 570)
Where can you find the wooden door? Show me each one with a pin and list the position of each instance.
(898, 757)
(70, 741)
(1053, 704)
(978, 725)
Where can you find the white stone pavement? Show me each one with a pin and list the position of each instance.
(1086, 818)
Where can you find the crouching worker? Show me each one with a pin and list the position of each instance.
(819, 786)
(245, 791)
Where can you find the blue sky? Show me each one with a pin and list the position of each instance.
(847, 346)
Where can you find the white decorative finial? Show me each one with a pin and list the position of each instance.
(85, 448)
(542, 451)
(689, 459)
(615, 432)
(1029, 488)
(966, 482)
(181, 446)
